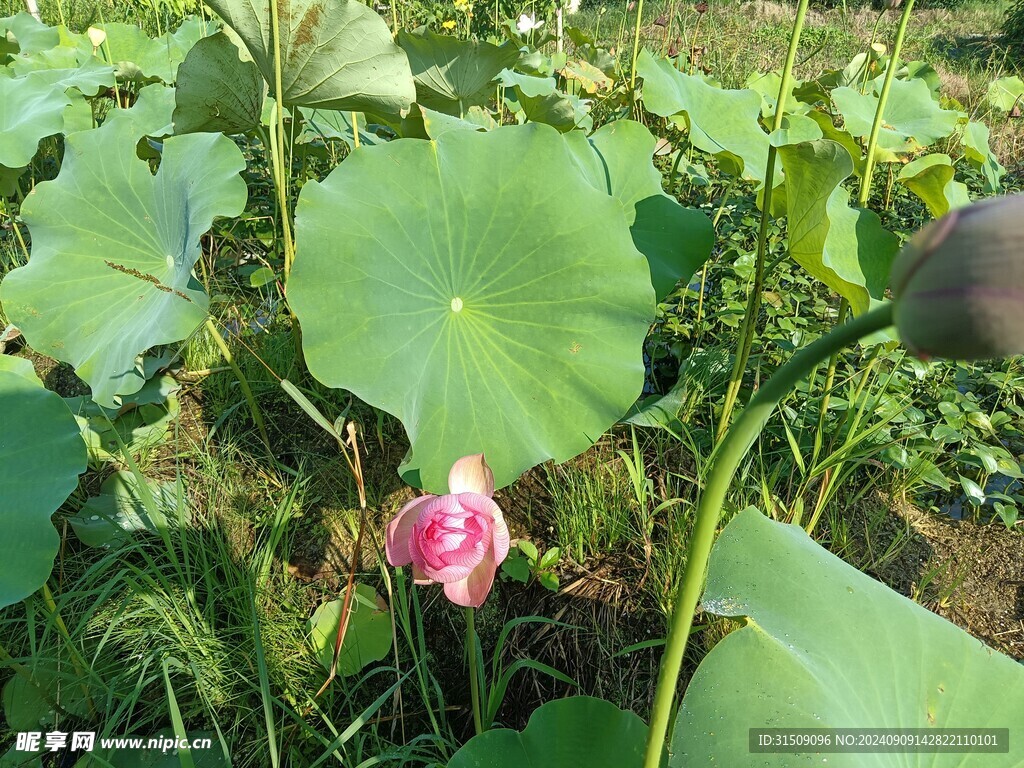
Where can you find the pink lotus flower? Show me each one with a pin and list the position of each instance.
(458, 539)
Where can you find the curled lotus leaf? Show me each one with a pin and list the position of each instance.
(113, 247)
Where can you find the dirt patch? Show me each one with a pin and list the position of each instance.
(970, 574)
(980, 578)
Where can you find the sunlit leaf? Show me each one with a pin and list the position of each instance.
(846, 248)
(480, 289)
(826, 646)
(721, 122)
(336, 54)
(617, 159)
(217, 91)
(113, 246)
(931, 179)
(452, 74)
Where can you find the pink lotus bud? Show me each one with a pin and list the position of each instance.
(458, 539)
(958, 284)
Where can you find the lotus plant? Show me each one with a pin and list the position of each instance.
(958, 292)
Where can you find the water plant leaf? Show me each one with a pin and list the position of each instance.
(911, 120)
(591, 78)
(137, 56)
(975, 141)
(618, 159)
(28, 113)
(335, 55)
(141, 422)
(327, 124)
(367, 638)
(436, 124)
(150, 115)
(41, 457)
(452, 74)
(541, 102)
(1005, 93)
(119, 510)
(931, 179)
(721, 122)
(28, 702)
(579, 730)
(478, 288)
(826, 646)
(30, 34)
(113, 247)
(216, 91)
(67, 68)
(846, 248)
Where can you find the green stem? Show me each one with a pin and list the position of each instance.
(277, 147)
(871, 50)
(254, 409)
(76, 660)
(636, 50)
(742, 435)
(474, 677)
(749, 324)
(883, 97)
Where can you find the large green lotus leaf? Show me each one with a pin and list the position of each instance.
(931, 179)
(41, 457)
(911, 119)
(9, 181)
(452, 74)
(478, 288)
(980, 155)
(1006, 93)
(113, 246)
(30, 34)
(618, 159)
(577, 731)
(28, 113)
(67, 67)
(137, 56)
(336, 54)
(846, 248)
(722, 122)
(367, 638)
(217, 91)
(28, 702)
(826, 646)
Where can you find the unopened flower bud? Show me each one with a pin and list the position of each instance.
(958, 284)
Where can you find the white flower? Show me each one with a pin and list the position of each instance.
(528, 24)
(572, 6)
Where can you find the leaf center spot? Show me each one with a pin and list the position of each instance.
(456, 304)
